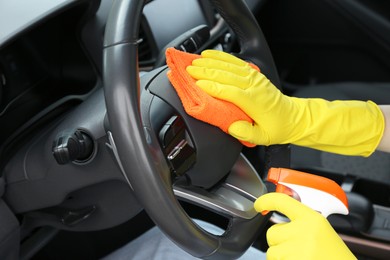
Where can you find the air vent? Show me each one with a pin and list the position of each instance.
(145, 49)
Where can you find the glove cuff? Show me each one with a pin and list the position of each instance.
(342, 127)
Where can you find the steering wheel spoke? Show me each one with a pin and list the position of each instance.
(232, 197)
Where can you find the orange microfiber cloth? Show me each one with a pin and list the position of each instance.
(196, 102)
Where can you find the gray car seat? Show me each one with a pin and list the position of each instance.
(374, 168)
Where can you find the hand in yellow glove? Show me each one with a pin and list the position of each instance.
(345, 127)
(308, 235)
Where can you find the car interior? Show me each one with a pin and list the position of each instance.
(96, 148)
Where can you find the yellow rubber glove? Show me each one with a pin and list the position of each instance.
(344, 127)
(308, 235)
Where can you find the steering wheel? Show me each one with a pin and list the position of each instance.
(167, 155)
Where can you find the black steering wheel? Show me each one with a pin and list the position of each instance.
(167, 155)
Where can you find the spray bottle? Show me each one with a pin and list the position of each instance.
(319, 193)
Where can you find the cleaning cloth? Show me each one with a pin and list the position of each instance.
(196, 102)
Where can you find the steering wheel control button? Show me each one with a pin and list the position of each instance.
(172, 128)
(181, 158)
(176, 151)
(74, 147)
(176, 145)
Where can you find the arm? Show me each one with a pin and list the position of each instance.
(348, 127)
(384, 144)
